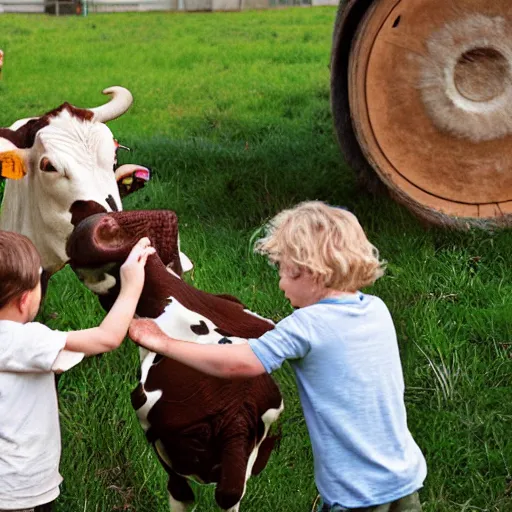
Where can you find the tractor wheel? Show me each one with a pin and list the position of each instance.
(421, 95)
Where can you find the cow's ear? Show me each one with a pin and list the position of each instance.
(12, 165)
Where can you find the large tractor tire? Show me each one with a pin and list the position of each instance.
(421, 94)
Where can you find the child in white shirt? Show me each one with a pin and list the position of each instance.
(30, 354)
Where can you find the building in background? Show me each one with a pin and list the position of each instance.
(81, 7)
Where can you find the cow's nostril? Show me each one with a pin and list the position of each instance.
(112, 203)
(82, 209)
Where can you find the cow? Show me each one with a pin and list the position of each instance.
(52, 161)
(1, 62)
(206, 428)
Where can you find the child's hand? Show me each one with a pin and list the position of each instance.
(132, 270)
(145, 332)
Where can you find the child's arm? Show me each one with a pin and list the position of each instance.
(111, 332)
(227, 361)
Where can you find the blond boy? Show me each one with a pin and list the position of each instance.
(30, 354)
(341, 344)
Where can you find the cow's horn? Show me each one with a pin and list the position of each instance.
(120, 102)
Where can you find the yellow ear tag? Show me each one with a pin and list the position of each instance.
(12, 165)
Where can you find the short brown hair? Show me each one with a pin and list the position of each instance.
(20, 266)
(326, 240)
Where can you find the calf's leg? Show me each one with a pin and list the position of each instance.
(233, 509)
(180, 492)
(241, 458)
(267, 442)
(234, 472)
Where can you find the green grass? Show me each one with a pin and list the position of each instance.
(232, 114)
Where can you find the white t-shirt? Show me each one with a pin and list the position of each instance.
(29, 419)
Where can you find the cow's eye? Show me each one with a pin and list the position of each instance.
(46, 166)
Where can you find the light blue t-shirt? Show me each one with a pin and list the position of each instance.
(345, 357)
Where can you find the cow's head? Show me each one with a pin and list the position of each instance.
(51, 162)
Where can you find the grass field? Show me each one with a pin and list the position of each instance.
(232, 114)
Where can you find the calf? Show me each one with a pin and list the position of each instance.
(206, 428)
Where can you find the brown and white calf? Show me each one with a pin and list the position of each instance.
(209, 429)
(52, 161)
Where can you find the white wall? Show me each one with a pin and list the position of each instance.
(36, 6)
(131, 5)
(225, 5)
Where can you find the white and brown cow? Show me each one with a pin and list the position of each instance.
(52, 161)
(210, 429)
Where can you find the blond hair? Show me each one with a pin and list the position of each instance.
(325, 240)
(20, 266)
